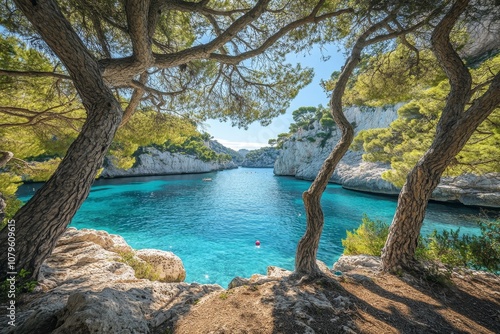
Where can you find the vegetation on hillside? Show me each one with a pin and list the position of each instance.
(304, 119)
(221, 149)
(262, 155)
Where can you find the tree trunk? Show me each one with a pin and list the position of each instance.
(44, 218)
(454, 129)
(407, 222)
(305, 258)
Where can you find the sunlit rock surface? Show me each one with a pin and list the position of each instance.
(156, 162)
(84, 288)
(166, 265)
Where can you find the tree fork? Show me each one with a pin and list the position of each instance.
(305, 260)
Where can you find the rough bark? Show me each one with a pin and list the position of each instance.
(455, 127)
(51, 209)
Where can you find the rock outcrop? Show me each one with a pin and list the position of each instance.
(303, 154)
(84, 288)
(351, 262)
(166, 265)
(156, 162)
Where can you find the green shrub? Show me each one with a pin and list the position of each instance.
(368, 239)
(23, 284)
(142, 269)
(474, 251)
(448, 247)
(480, 252)
(327, 122)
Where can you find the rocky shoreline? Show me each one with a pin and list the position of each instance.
(303, 154)
(85, 287)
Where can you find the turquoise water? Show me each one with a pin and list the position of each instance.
(213, 226)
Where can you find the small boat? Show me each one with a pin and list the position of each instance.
(207, 179)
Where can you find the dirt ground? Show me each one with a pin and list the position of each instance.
(360, 301)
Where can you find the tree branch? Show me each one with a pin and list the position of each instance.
(137, 17)
(36, 74)
(449, 60)
(234, 60)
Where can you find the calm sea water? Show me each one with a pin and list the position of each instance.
(213, 226)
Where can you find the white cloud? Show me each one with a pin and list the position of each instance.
(238, 145)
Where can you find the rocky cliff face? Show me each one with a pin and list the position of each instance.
(304, 153)
(156, 162)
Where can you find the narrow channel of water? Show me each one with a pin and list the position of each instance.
(213, 225)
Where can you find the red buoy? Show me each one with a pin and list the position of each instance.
(257, 243)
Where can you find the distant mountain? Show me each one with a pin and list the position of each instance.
(243, 152)
(219, 148)
(263, 157)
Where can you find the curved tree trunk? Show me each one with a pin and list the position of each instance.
(44, 218)
(305, 259)
(454, 129)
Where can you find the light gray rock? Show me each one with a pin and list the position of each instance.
(83, 288)
(167, 265)
(349, 262)
(303, 158)
(111, 242)
(255, 279)
(483, 36)
(156, 162)
(273, 271)
(470, 189)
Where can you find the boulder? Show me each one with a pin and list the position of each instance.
(166, 265)
(350, 262)
(273, 271)
(111, 242)
(84, 288)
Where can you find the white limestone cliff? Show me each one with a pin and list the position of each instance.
(156, 162)
(302, 157)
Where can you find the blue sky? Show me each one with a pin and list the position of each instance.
(257, 136)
